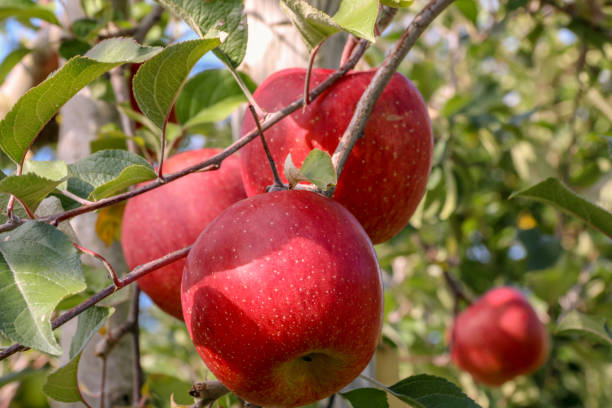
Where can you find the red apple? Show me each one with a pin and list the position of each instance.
(172, 216)
(499, 337)
(282, 298)
(386, 174)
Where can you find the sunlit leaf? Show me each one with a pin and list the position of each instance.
(552, 191)
(39, 266)
(22, 124)
(159, 80)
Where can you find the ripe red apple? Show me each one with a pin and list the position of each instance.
(499, 337)
(171, 217)
(386, 174)
(282, 298)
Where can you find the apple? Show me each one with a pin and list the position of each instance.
(172, 216)
(282, 298)
(499, 337)
(385, 176)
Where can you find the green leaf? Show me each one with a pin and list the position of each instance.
(313, 25)
(319, 170)
(26, 9)
(429, 391)
(11, 60)
(159, 80)
(213, 18)
(63, 384)
(90, 321)
(39, 266)
(358, 17)
(52, 170)
(32, 111)
(592, 325)
(366, 398)
(552, 191)
(469, 8)
(210, 96)
(107, 172)
(397, 3)
(29, 189)
(160, 388)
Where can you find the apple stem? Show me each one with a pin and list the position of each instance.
(313, 54)
(366, 103)
(278, 183)
(11, 201)
(162, 151)
(107, 265)
(135, 274)
(245, 90)
(350, 44)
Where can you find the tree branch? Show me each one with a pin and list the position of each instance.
(366, 103)
(207, 392)
(136, 274)
(213, 162)
(278, 183)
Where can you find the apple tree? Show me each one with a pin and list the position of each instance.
(457, 156)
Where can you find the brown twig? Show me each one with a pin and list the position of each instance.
(136, 274)
(107, 265)
(278, 183)
(103, 382)
(207, 392)
(356, 127)
(137, 374)
(313, 54)
(457, 290)
(214, 161)
(147, 23)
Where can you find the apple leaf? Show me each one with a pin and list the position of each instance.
(292, 173)
(319, 170)
(39, 266)
(592, 325)
(469, 9)
(216, 19)
(313, 25)
(63, 384)
(210, 96)
(161, 389)
(397, 3)
(26, 9)
(11, 60)
(107, 172)
(32, 111)
(29, 189)
(159, 80)
(366, 398)
(358, 17)
(552, 191)
(429, 391)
